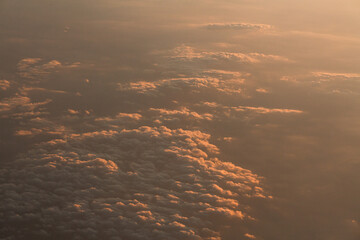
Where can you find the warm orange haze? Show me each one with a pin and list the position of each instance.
(179, 120)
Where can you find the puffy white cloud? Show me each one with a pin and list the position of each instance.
(145, 183)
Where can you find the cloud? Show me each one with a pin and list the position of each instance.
(72, 111)
(132, 116)
(264, 110)
(183, 114)
(190, 70)
(223, 74)
(25, 89)
(4, 85)
(221, 109)
(228, 139)
(24, 132)
(38, 125)
(145, 183)
(327, 76)
(186, 53)
(34, 68)
(187, 61)
(189, 84)
(261, 90)
(249, 236)
(20, 106)
(344, 83)
(238, 26)
(119, 119)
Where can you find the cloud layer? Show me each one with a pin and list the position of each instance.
(145, 183)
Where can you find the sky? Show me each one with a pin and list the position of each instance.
(179, 119)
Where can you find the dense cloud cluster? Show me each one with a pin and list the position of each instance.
(129, 120)
(145, 183)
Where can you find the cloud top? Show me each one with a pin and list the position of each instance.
(145, 183)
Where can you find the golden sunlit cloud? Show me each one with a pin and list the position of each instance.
(179, 120)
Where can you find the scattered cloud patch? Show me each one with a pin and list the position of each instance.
(25, 89)
(122, 116)
(20, 106)
(39, 125)
(4, 85)
(119, 119)
(262, 90)
(181, 114)
(328, 76)
(264, 110)
(186, 53)
(249, 236)
(228, 139)
(238, 26)
(72, 111)
(219, 108)
(34, 68)
(183, 84)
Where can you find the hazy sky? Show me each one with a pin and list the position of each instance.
(179, 119)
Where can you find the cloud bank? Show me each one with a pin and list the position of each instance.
(145, 183)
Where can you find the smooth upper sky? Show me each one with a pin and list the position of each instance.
(179, 119)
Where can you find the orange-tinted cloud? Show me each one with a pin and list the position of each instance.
(148, 177)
